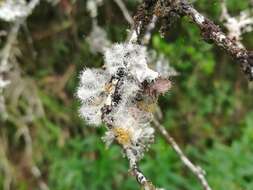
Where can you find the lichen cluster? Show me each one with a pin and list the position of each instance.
(118, 96)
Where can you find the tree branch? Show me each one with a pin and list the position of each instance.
(196, 170)
(169, 10)
(125, 12)
(213, 33)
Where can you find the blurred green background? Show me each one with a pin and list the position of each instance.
(209, 110)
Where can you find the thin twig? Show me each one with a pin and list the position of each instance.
(6, 51)
(125, 12)
(196, 170)
(138, 174)
(169, 10)
(212, 33)
(149, 29)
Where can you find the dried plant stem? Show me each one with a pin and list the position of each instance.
(6, 51)
(125, 12)
(196, 170)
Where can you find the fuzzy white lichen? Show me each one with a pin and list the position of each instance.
(237, 25)
(11, 10)
(92, 94)
(132, 57)
(161, 65)
(125, 70)
(7, 60)
(123, 96)
(131, 133)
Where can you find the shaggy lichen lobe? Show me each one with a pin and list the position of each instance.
(113, 95)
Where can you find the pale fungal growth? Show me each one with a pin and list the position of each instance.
(238, 25)
(123, 96)
(132, 57)
(11, 10)
(92, 93)
(14, 11)
(161, 64)
(200, 19)
(7, 56)
(131, 134)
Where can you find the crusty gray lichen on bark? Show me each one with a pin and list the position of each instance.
(169, 10)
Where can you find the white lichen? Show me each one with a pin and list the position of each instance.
(131, 133)
(161, 64)
(11, 10)
(132, 57)
(116, 97)
(92, 94)
(200, 19)
(237, 25)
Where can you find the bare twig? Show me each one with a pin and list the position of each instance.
(6, 51)
(125, 12)
(196, 170)
(168, 10)
(138, 174)
(213, 33)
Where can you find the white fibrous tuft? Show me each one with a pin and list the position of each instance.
(92, 95)
(131, 133)
(132, 57)
(92, 82)
(123, 96)
(92, 114)
(128, 90)
(238, 25)
(11, 10)
(161, 65)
